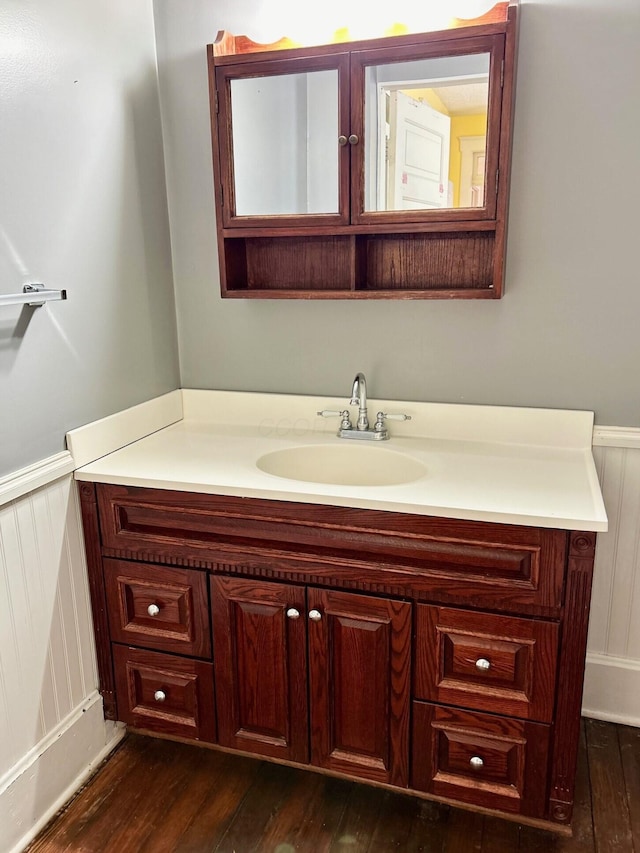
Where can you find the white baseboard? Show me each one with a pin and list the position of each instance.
(46, 778)
(612, 689)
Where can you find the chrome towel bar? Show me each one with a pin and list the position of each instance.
(34, 295)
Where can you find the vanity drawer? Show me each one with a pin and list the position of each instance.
(158, 607)
(501, 567)
(489, 761)
(484, 661)
(165, 693)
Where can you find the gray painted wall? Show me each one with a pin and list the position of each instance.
(565, 335)
(83, 207)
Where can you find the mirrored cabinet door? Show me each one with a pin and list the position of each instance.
(284, 145)
(428, 128)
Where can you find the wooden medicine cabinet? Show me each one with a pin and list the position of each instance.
(368, 169)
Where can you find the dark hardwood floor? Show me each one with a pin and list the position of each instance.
(155, 796)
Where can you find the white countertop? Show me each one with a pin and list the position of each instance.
(487, 463)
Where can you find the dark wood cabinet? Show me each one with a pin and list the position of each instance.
(359, 667)
(356, 720)
(261, 666)
(440, 657)
(341, 171)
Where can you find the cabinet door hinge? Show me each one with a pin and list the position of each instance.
(497, 179)
(221, 196)
(217, 103)
(502, 74)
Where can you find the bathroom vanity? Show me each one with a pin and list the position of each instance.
(426, 632)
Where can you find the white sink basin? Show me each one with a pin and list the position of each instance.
(342, 465)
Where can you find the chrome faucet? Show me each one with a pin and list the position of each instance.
(359, 398)
(362, 430)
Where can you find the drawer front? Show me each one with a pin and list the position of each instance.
(158, 607)
(164, 693)
(498, 566)
(487, 662)
(488, 761)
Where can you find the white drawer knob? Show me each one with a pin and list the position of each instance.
(160, 696)
(292, 613)
(483, 664)
(153, 610)
(476, 762)
(315, 615)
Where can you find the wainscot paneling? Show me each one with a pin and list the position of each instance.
(612, 680)
(52, 731)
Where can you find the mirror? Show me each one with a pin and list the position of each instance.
(424, 123)
(426, 131)
(285, 149)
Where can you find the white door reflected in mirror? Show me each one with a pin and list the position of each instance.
(417, 114)
(416, 161)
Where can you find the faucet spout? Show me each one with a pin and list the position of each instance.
(359, 398)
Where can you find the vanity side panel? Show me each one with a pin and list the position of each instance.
(571, 675)
(91, 527)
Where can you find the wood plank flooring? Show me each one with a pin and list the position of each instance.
(154, 796)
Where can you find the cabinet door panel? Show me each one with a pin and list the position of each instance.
(298, 173)
(260, 667)
(359, 678)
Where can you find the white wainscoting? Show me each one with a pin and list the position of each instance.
(612, 680)
(52, 731)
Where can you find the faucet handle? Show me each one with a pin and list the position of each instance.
(381, 417)
(329, 413)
